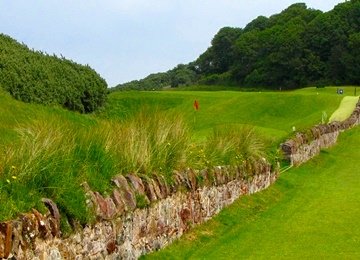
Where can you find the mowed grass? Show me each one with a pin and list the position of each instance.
(311, 212)
(345, 109)
(274, 114)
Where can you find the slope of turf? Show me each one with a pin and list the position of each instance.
(273, 113)
(311, 212)
(15, 113)
(345, 109)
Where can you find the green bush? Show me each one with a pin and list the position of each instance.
(35, 77)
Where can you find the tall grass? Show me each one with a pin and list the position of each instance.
(41, 164)
(52, 158)
(149, 141)
(230, 145)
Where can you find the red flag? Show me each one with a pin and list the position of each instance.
(196, 105)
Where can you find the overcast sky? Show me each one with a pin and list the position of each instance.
(124, 40)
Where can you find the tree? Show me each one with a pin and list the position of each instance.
(182, 76)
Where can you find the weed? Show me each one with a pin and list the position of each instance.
(141, 201)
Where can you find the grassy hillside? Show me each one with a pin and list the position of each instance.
(311, 212)
(272, 113)
(49, 152)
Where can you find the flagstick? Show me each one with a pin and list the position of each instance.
(196, 105)
(195, 121)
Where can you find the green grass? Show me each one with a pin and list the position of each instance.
(345, 109)
(311, 212)
(272, 113)
(49, 152)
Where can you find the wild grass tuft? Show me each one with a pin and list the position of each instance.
(230, 145)
(41, 164)
(151, 140)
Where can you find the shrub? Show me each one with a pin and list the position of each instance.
(35, 77)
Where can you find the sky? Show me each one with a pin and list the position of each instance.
(125, 40)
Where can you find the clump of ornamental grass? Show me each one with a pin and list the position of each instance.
(229, 145)
(150, 141)
(40, 165)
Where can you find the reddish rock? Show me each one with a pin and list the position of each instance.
(149, 189)
(30, 229)
(288, 148)
(185, 215)
(137, 183)
(54, 227)
(166, 186)
(6, 229)
(55, 214)
(111, 247)
(225, 172)
(102, 204)
(126, 192)
(315, 132)
(111, 208)
(44, 231)
(119, 204)
(143, 231)
(177, 178)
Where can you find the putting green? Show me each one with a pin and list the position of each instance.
(345, 109)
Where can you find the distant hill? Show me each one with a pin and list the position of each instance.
(36, 77)
(298, 47)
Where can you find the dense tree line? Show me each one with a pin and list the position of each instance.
(181, 75)
(36, 77)
(296, 48)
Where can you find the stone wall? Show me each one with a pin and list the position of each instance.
(122, 230)
(304, 146)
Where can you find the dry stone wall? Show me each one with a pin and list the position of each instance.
(122, 230)
(304, 146)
